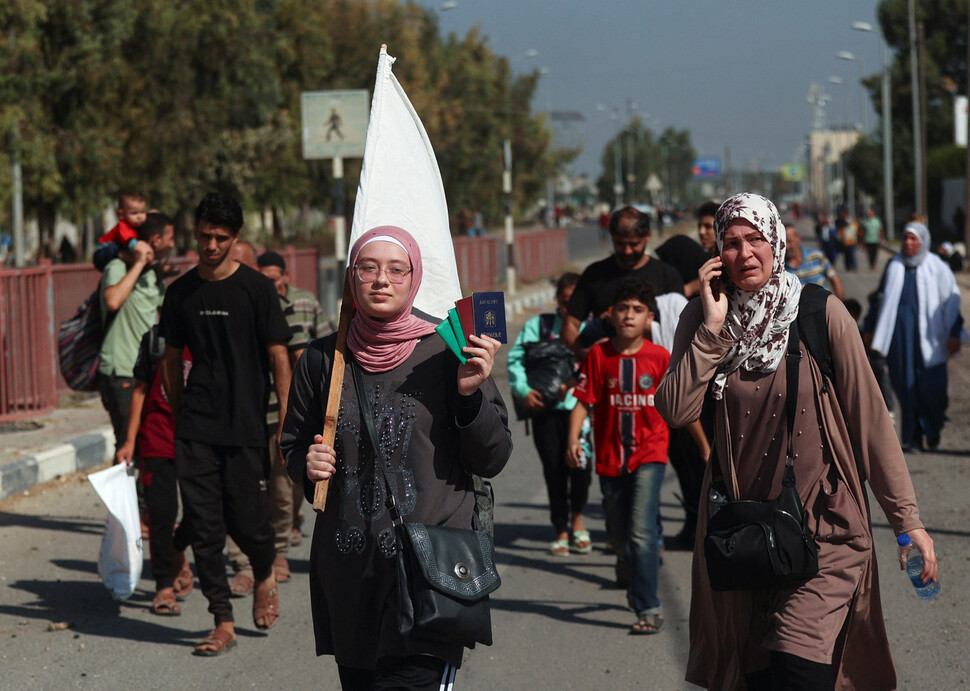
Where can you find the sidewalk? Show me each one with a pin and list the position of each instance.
(78, 436)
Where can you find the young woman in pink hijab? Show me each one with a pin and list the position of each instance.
(438, 421)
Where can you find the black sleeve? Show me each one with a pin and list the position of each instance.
(305, 411)
(272, 322)
(579, 303)
(486, 442)
(146, 364)
(673, 283)
(170, 324)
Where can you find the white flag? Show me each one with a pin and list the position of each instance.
(400, 185)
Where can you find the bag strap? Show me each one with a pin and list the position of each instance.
(367, 413)
(546, 320)
(792, 359)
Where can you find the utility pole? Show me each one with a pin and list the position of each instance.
(17, 215)
(889, 206)
(918, 169)
(509, 227)
(920, 49)
(966, 179)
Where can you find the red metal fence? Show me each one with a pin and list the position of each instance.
(27, 361)
(538, 254)
(33, 302)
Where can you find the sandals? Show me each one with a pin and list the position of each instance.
(165, 605)
(559, 548)
(647, 624)
(184, 580)
(266, 606)
(281, 568)
(218, 641)
(241, 586)
(580, 542)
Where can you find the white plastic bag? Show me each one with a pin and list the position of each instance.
(120, 561)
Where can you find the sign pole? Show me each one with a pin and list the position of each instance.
(509, 226)
(339, 221)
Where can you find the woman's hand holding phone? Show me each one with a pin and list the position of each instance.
(715, 302)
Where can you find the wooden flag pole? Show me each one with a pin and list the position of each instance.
(336, 385)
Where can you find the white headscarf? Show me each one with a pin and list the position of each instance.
(757, 320)
(923, 234)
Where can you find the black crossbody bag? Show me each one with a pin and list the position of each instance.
(753, 545)
(444, 574)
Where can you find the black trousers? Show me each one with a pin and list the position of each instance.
(789, 672)
(411, 673)
(225, 491)
(116, 399)
(568, 488)
(162, 502)
(686, 459)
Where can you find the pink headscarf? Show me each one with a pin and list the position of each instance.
(381, 345)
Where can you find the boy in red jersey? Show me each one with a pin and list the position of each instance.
(618, 379)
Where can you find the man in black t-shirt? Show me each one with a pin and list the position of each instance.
(593, 296)
(229, 317)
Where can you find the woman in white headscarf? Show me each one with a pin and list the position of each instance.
(917, 328)
(827, 632)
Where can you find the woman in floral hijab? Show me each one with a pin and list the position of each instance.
(828, 631)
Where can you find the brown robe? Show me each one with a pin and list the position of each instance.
(837, 615)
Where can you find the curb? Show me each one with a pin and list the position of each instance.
(82, 452)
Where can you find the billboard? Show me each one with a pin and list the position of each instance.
(793, 172)
(706, 167)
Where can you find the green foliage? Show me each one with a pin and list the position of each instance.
(176, 98)
(642, 153)
(945, 54)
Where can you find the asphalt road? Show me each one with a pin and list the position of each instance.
(558, 622)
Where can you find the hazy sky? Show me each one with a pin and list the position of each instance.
(736, 73)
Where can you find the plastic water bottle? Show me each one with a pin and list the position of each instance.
(910, 555)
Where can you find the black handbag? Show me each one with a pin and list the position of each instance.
(753, 545)
(444, 574)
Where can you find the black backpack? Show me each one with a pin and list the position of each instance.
(548, 364)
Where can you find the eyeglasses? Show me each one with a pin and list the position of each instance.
(369, 272)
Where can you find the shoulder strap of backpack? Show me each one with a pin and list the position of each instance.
(814, 330)
(546, 321)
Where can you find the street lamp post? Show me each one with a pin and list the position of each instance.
(846, 55)
(918, 169)
(887, 133)
(847, 107)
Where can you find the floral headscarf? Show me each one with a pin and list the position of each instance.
(382, 345)
(757, 320)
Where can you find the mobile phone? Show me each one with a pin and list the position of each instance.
(716, 282)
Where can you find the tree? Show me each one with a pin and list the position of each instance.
(176, 99)
(670, 157)
(945, 53)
